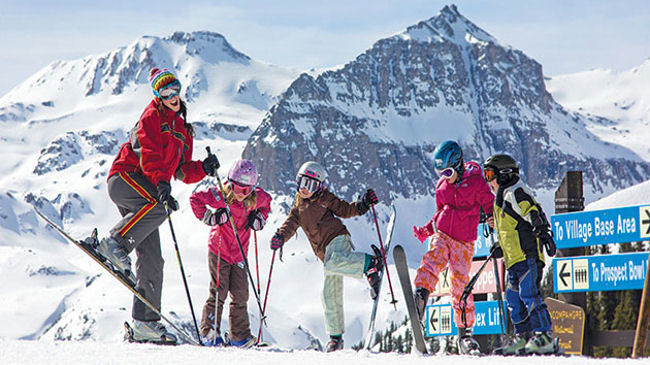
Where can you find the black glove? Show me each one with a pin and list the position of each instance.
(546, 239)
(165, 195)
(277, 241)
(368, 199)
(211, 165)
(542, 231)
(496, 251)
(256, 220)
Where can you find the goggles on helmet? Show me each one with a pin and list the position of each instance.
(240, 189)
(170, 90)
(489, 174)
(306, 182)
(446, 173)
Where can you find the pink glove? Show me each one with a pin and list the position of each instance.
(423, 232)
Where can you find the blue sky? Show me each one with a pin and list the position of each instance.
(564, 36)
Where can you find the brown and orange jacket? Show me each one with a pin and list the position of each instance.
(317, 216)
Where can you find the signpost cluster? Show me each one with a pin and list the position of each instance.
(573, 231)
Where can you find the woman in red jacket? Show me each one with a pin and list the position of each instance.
(249, 206)
(159, 148)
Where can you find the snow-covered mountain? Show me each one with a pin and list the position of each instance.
(378, 118)
(617, 102)
(373, 122)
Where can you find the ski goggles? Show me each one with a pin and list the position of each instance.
(240, 189)
(489, 174)
(446, 173)
(170, 90)
(306, 182)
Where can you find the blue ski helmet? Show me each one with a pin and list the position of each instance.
(447, 154)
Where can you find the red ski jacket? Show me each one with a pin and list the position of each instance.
(159, 147)
(458, 205)
(201, 200)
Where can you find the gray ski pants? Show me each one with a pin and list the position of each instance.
(141, 214)
(340, 260)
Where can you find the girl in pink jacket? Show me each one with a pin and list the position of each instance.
(460, 194)
(250, 206)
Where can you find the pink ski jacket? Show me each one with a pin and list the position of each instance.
(458, 205)
(201, 200)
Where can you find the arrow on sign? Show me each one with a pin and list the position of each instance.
(434, 320)
(647, 221)
(563, 273)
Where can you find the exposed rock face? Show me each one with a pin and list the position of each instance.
(376, 121)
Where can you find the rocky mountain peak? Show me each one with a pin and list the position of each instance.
(376, 121)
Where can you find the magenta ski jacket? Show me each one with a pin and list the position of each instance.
(201, 200)
(458, 205)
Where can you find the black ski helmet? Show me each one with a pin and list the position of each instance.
(504, 166)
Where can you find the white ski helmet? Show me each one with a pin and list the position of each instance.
(313, 170)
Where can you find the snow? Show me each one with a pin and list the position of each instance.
(623, 97)
(86, 352)
(52, 290)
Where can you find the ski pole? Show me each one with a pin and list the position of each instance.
(257, 264)
(241, 249)
(266, 296)
(180, 264)
(467, 291)
(216, 291)
(383, 256)
(499, 291)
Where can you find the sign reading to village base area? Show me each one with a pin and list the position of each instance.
(581, 229)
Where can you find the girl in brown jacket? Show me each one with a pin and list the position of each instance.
(316, 211)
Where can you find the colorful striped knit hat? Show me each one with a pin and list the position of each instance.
(160, 78)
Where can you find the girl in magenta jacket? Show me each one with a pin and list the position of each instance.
(461, 192)
(250, 206)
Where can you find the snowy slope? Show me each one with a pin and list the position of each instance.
(623, 98)
(63, 128)
(31, 352)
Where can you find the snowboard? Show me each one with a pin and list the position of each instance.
(105, 264)
(399, 256)
(373, 314)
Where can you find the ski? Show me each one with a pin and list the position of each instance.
(90, 251)
(373, 314)
(399, 256)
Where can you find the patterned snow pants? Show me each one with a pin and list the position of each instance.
(445, 250)
(340, 260)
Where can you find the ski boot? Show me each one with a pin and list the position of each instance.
(542, 343)
(467, 345)
(150, 332)
(335, 343)
(514, 345)
(421, 297)
(372, 273)
(246, 343)
(116, 256)
(212, 339)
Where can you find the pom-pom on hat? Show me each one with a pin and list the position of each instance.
(161, 78)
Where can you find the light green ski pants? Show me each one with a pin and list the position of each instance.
(340, 260)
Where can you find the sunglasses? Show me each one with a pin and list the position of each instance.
(446, 173)
(306, 182)
(489, 174)
(170, 91)
(240, 189)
